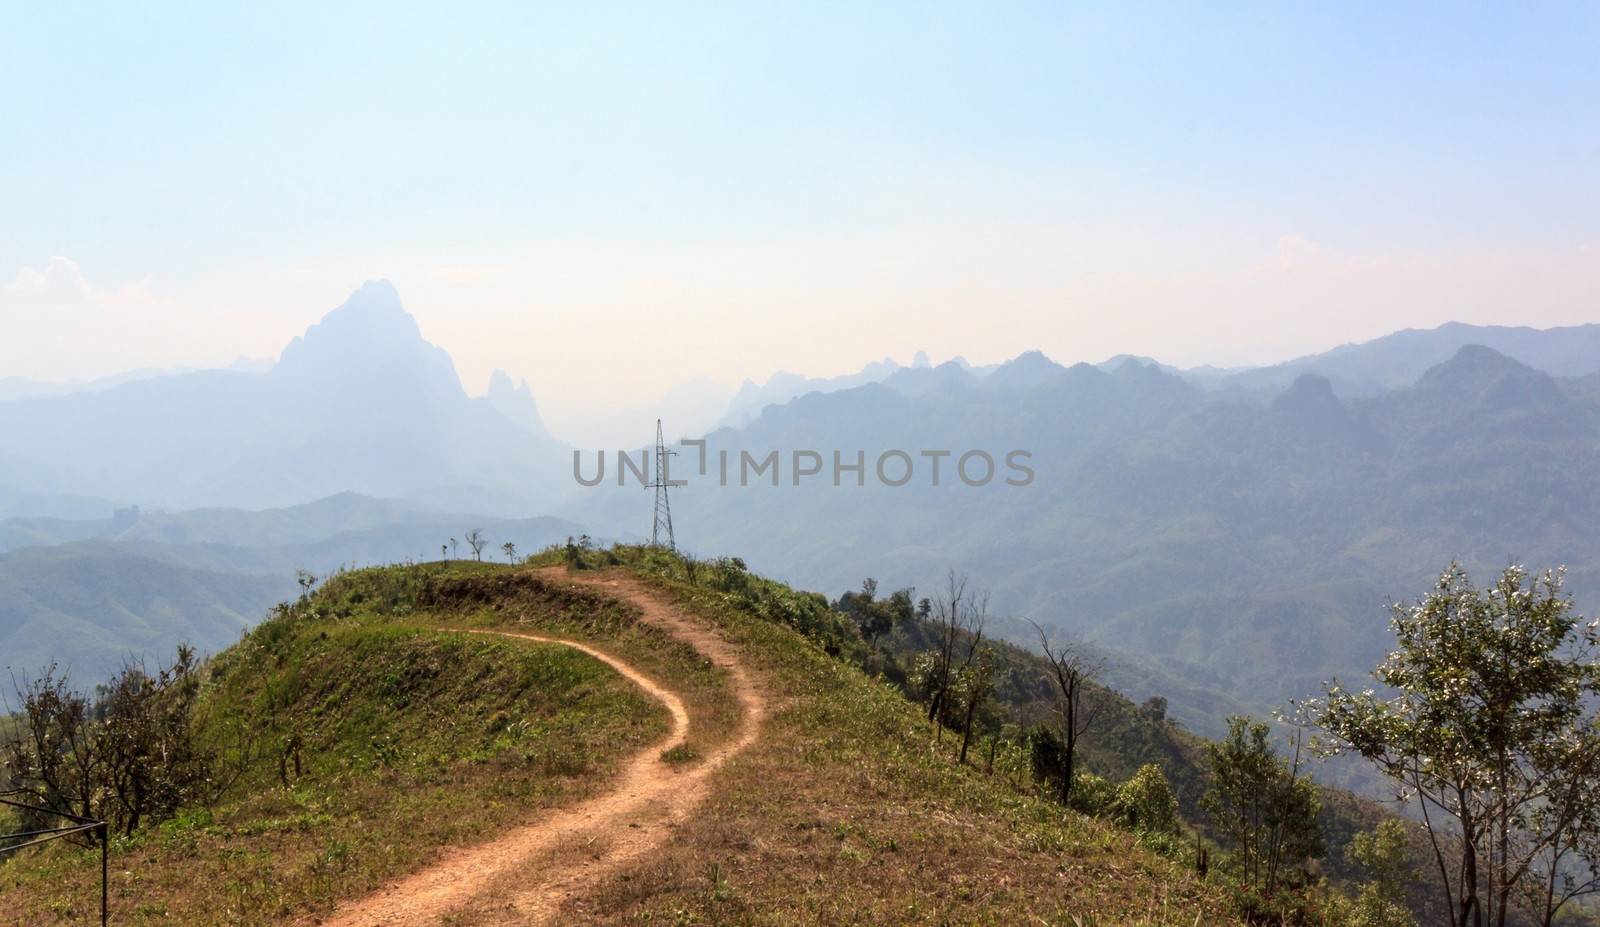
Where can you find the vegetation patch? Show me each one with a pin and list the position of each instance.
(682, 753)
(374, 741)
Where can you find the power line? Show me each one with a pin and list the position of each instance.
(663, 514)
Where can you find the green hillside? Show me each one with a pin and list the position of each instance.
(413, 737)
(94, 593)
(407, 739)
(91, 607)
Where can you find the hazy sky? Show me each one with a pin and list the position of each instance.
(613, 199)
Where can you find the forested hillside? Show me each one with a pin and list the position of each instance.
(1245, 551)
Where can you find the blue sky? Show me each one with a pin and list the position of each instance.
(817, 185)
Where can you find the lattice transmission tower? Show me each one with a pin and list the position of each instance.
(663, 519)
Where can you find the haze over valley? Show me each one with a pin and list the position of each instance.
(1201, 527)
(819, 465)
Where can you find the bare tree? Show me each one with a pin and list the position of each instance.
(1072, 670)
(130, 756)
(153, 762)
(949, 614)
(477, 542)
(56, 759)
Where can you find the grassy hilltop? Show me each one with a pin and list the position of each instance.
(412, 737)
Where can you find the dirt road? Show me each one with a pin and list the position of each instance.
(524, 876)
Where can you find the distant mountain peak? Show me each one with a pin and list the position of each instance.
(1482, 354)
(515, 401)
(371, 318)
(370, 342)
(500, 383)
(1401, 359)
(920, 381)
(921, 360)
(1475, 365)
(376, 294)
(1310, 396)
(1310, 384)
(374, 306)
(1482, 379)
(1122, 361)
(1028, 370)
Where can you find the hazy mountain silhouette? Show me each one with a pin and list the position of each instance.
(1240, 547)
(515, 402)
(1361, 370)
(1393, 361)
(359, 403)
(783, 386)
(1238, 543)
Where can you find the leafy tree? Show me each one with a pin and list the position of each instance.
(873, 616)
(306, 581)
(1262, 804)
(892, 612)
(510, 551)
(1491, 729)
(974, 686)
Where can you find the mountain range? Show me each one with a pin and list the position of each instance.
(1227, 538)
(1373, 367)
(1243, 549)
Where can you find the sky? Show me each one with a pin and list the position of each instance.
(610, 199)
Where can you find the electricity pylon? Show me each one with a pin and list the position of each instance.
(663, 519)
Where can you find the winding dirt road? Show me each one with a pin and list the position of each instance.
(524, 876)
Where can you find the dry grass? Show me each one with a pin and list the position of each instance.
(843, 812)
(846, 812)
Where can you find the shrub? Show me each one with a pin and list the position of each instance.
(1093, 795)
(1145, 802)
